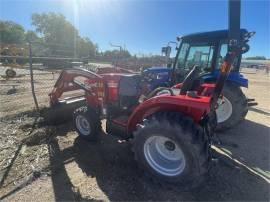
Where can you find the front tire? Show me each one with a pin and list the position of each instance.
(172, 150)
(233, 109)
(87, 123)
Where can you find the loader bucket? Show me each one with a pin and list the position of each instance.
(62, 112)
(76, 83)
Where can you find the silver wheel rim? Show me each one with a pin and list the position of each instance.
(164, 155)
(224, 110)
(83, 125)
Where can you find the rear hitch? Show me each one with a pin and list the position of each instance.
(250, 99)
(208, 123)
(251, 102)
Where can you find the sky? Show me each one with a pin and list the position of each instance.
(144, 26)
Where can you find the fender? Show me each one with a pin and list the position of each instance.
(235, 77)
(193, 107)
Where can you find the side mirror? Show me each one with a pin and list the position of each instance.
(166, 50)
(245, 48)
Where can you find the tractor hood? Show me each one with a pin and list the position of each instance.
(235, 77)
(165, 76)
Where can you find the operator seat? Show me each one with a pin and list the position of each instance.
(191, 80)
(129, 90)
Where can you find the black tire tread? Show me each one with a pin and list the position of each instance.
(240, 107)
(193, 135)
(92, 117)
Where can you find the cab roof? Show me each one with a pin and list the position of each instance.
(209, 36)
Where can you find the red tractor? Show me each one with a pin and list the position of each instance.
(171, 132)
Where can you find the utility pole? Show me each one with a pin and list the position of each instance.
(120, 50)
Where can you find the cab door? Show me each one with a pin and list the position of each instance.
(222, 51)
(200, 54)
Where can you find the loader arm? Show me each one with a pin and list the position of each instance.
(66, 82)
(234, 49)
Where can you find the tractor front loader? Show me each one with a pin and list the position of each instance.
(172, 132)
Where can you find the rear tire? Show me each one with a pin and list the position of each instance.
(172, 148)
(236, 100)
(87, 123)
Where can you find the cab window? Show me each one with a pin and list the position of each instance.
(221, 56)
(191, 55)
(200, 55)
(182, 55)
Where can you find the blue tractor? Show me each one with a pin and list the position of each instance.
(207, 50)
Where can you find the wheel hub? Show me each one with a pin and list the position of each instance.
(83, 125)
(164, 155)
(169, 145)
(224, 110)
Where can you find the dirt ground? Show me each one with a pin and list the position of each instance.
(47, 163)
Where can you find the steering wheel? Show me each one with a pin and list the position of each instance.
(188, 82)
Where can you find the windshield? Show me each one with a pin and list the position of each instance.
(195, 54)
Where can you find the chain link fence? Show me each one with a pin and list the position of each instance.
(28, 72)
(36, 72)
(27, 76)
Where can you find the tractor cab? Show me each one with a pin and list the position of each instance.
(207, 50)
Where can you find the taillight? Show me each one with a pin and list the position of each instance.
(101, 94)
(100, 90)
(100, 85)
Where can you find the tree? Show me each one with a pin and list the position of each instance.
(32, 36)
(116, 54)
(11, 33)
(85, 48)
(61, 37)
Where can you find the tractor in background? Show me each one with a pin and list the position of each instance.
(8, 57)
(207, 50)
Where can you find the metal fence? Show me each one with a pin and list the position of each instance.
(36, 76)
(37, 71)
(16, 93)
